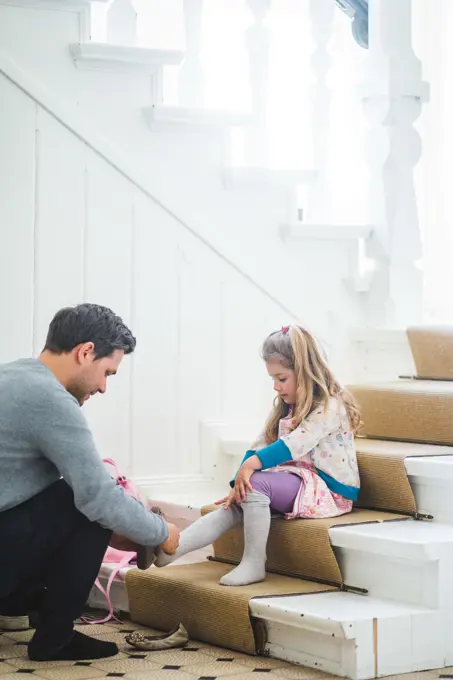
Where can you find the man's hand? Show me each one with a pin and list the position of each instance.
(170, 546)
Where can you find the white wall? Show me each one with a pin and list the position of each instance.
(74, 227)
(184, 166)
(432, 39)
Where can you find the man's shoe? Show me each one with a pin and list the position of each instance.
(14, 623)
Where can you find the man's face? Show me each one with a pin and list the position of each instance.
(90, 376)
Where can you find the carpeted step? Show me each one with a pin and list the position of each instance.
(384, 483)
(220, 615)
(407, 410)
(299, 548)
(432, 351)
(191, 595)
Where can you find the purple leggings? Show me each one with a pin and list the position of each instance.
(280, 487)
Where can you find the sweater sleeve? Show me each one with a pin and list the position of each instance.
(303, 438)
(315, 427)
(60, 431)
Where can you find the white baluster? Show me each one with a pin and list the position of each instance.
(322, 18)
(258, 46)
(393, 97)
(191, 80)
(122, 23)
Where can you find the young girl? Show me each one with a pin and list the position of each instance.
(303, 465)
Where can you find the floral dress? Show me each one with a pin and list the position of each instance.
(321, 451)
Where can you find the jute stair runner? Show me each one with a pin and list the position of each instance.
(299, 548)
(407, 410)
(300, 557)
(190, 594)
(432, 351)
(383, 478)
(414, 415)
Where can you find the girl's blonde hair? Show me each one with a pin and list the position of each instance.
(296, 348)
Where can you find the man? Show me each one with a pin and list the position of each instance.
(58, 504)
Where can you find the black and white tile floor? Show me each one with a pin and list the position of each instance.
(197, 661)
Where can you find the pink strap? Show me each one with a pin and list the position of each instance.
(124, 562)
(111, 462)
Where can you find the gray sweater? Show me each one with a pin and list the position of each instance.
(44, 436)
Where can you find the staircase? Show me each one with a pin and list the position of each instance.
(397, 616)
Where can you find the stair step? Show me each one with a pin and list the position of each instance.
(120, 59)
(407, 410)
(352, 635)
(349, 635)
(183, 116)
(249, 177)
(400, 561)
(428, 476)
(395, 560)
(330, 232)
(431, 481)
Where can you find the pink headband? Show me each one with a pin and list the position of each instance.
(285, 330)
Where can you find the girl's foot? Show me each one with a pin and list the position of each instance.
(163, 560)
(244, 575)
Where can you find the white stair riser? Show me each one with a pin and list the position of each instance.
(407, 581)
(313, 649)
(433, 497)
(384, 647)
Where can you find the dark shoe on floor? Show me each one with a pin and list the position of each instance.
(80, 648)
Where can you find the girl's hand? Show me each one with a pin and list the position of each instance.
(242, 484)
(228, 500)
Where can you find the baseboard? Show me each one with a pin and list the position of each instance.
(190, 486)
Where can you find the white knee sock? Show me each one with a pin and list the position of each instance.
(257, 521)
(202, 533)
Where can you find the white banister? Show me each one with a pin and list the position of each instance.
(393, 94)
(257, 39)
(122, 23)
(191, 77)
(322, 19)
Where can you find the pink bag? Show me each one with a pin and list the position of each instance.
(119, 557)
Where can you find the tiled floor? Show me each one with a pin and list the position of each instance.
(197, 661)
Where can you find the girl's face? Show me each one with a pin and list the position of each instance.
(284, 381)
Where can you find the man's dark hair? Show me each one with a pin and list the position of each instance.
(73, 326)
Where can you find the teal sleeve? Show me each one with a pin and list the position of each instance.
(275, 454)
